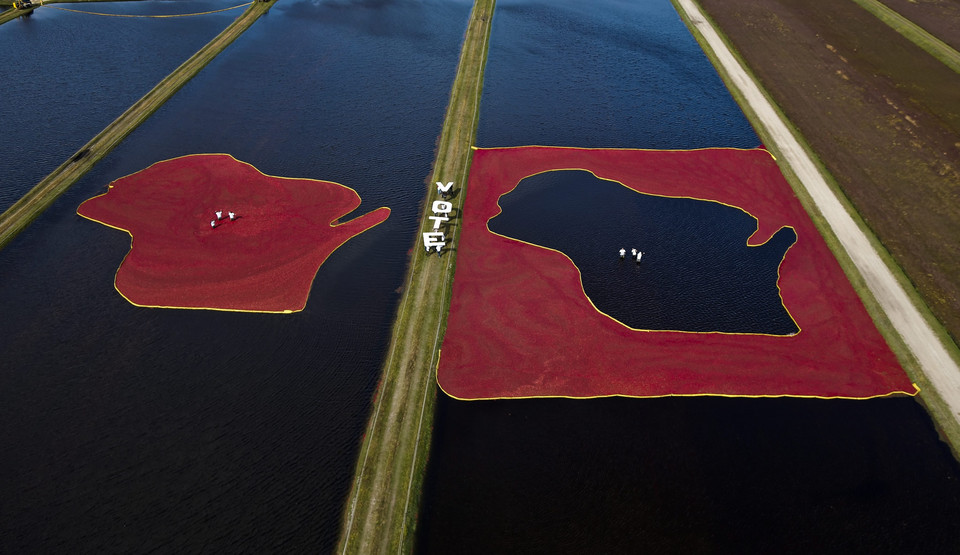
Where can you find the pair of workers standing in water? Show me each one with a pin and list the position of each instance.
(633, 252)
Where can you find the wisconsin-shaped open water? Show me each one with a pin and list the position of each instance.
(673, 475)
(695, 270)
(132, 430)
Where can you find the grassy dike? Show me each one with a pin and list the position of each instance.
(10, 13)
(38, 199)
(914, 33)
(928, 397)
(380, 514)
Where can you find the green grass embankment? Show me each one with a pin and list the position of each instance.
(928, 397)
(10, 14)
(381, 512)
(914, 33)
(45, 2)
(38, 199)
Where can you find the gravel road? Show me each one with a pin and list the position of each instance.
(936, 364)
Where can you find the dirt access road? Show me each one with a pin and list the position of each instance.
(878, 113)
(934, 360)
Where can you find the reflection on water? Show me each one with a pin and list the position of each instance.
(602, 74)
(147, 429)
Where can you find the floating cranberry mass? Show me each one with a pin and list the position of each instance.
(209, 231)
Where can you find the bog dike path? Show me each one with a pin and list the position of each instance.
(38, 199)
(381, 512)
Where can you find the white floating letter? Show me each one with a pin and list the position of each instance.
(433, 239)
(442, 207)
(437, 220)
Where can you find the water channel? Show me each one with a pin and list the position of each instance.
(131, 429)
(686, 475)
(72, 74)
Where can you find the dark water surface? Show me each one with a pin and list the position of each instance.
(128, 429)
(612, 73)
(678, 475)
(673, 475)
(67, 75)
(696, 271)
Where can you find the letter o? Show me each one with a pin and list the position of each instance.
(442, 207)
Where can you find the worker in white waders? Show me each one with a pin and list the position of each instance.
(219, 215)
(213, 224)
(623, 253)
(639, 254)
(233, 216)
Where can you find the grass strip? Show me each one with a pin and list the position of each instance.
(946, 421)
(11, 13)
(914, 33)
(381, 511)
(38, 199)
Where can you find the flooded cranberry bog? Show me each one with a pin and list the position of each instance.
(679, 473)
(521, 324)
(208, 231)
(138, 429)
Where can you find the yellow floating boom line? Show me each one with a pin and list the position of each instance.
(154, 16)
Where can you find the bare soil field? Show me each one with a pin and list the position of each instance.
(940, 18)
(883, 116)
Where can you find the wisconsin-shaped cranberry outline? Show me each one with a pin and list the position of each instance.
(264, 260)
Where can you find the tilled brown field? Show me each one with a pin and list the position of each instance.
(940, 18)
(882, 115)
